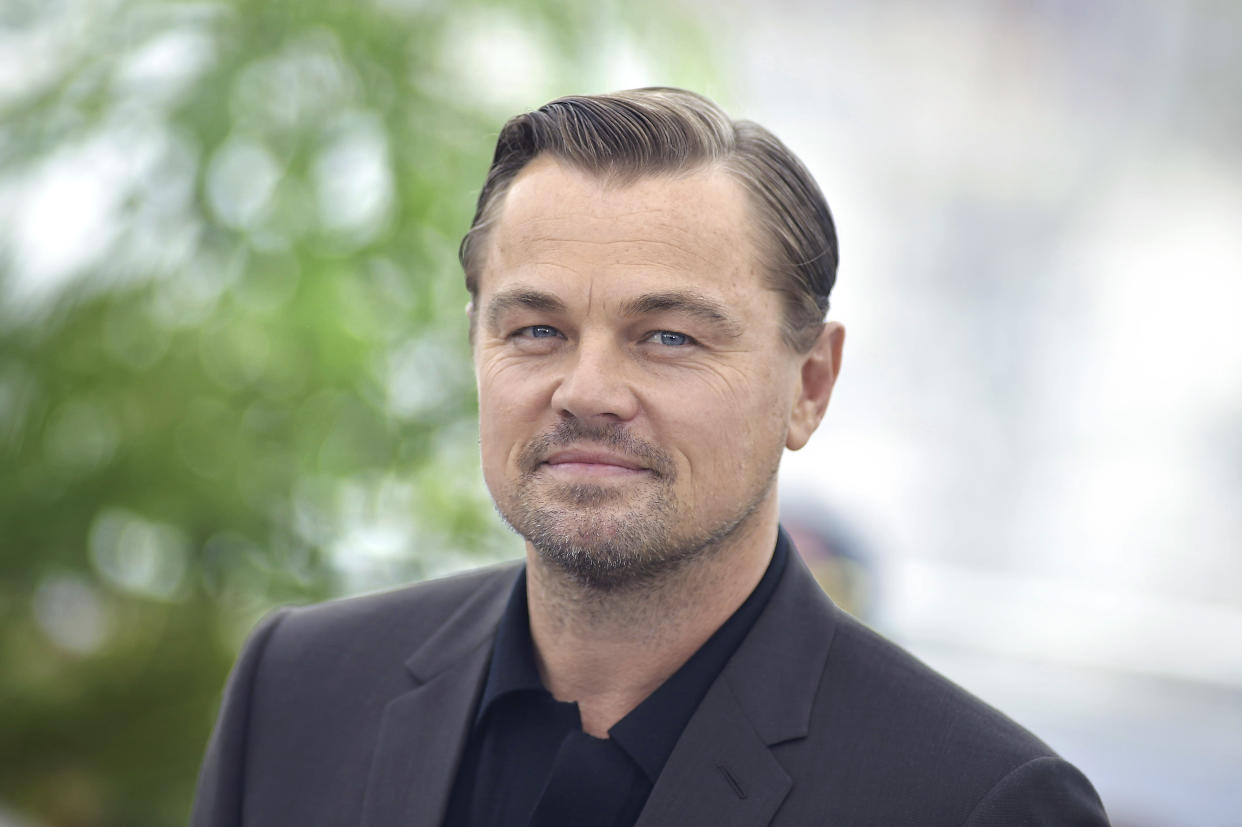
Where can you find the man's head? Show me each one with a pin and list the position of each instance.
(640, 367)
(660, 131)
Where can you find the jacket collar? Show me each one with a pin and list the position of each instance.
(722, 772)
(423, 731)
(777, 670)
(471, 625)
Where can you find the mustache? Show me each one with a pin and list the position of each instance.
(613, 437)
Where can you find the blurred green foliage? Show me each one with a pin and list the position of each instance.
(233, 362)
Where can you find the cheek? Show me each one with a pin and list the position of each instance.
(734, 402)
(500, 424)
(498, 445)
(739, 434)
(510, 384)
(509, 417)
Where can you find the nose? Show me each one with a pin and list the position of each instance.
(594, 385)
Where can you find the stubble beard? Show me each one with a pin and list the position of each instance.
(607, 538)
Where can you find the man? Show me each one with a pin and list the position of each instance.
(649, 282)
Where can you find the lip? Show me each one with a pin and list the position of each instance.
(592, 462)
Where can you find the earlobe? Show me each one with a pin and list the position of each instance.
(820, 368)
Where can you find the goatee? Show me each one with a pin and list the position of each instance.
(606, 537)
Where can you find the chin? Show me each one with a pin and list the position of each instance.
(601, 541)
(611, 557)
(618, 551)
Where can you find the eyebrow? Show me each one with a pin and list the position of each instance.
(667, 301)
(689, 303)
(523, 298)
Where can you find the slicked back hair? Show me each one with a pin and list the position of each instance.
(644, 132)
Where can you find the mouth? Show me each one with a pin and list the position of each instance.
(592, 463)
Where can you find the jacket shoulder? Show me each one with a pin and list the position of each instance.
(394, 622)
(877, 675)
(306, 702)
(901, 740)
(426, 601)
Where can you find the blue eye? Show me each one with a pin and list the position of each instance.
(671, 338)
(540, 331)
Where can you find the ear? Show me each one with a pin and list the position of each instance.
(819, 370)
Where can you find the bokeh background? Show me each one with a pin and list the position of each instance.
(234, 370)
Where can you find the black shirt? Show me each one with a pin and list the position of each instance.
(529, 764)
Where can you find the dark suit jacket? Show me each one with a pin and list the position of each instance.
(356, 712)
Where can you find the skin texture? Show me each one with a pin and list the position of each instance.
(635, 397)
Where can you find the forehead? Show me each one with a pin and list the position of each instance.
(559, 223)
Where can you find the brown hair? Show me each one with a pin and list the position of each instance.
(625, 135)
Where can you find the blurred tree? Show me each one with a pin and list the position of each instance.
(233, 366)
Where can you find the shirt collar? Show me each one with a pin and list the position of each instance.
(512, 668)
(650, 731)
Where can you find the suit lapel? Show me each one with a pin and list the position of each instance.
(721, 773)
(423, 732)
(421, 740)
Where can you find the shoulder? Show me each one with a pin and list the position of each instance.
(903, 696)
(418, 605)
(917, 746)
(1046, 790)
(386, 625)
(306, 702)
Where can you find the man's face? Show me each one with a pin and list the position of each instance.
(635, 393)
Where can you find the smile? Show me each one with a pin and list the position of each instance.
(587, 463)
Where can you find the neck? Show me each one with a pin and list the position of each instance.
(609, 649)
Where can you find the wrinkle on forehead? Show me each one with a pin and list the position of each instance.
(558, 222)
(709, 191)
(645, 252)
(666, 244)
